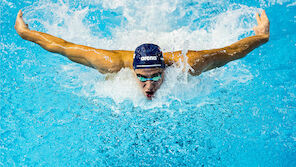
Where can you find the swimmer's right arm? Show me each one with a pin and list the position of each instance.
(105, 61)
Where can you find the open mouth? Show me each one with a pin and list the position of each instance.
(149, 94)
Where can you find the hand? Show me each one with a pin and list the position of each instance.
(20, 26)
(263, 24)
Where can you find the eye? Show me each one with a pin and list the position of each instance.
(141, 78)
(156, 78)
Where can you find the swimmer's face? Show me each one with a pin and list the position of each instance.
(150, 80)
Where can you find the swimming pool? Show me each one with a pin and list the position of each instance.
(57, 113)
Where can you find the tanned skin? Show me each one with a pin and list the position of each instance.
(111, 61)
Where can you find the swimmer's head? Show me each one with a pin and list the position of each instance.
(149, 68)
(148, 56)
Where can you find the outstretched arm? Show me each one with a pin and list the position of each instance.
(205, 60)
(106, 61)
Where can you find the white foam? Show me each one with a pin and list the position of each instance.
(291, 4)
(151, 21)
(265, 3)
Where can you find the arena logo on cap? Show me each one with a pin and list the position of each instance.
(148, 58)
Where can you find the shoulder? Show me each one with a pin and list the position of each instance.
(173, 57)
(126, 57)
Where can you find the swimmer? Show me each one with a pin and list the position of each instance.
(147, 61)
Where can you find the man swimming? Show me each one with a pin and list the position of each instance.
(147, 61)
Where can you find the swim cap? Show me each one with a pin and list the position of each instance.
(148, 56)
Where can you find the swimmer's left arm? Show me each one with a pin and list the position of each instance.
(205, 60)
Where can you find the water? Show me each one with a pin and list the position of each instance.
(58, 113)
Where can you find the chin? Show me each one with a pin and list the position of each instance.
(149, 98)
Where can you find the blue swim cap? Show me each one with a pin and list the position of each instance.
(148, 56)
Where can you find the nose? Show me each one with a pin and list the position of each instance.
(149, 85)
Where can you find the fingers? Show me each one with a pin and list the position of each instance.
(19, 22)
(255, 30)
(258, 18)
(263, 24)
(19, 17)
(264, 16)
(20, 13)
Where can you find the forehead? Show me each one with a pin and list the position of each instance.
(149, 71)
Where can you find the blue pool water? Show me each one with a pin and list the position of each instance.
(58, 113)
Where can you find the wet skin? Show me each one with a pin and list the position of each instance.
(150, 87)
(112, 61)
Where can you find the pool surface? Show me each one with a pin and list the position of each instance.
(58, 113)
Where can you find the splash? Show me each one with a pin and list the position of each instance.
(57, 112)
(164, 23)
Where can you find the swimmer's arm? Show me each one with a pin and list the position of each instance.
(205, 60)
(106, 61)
